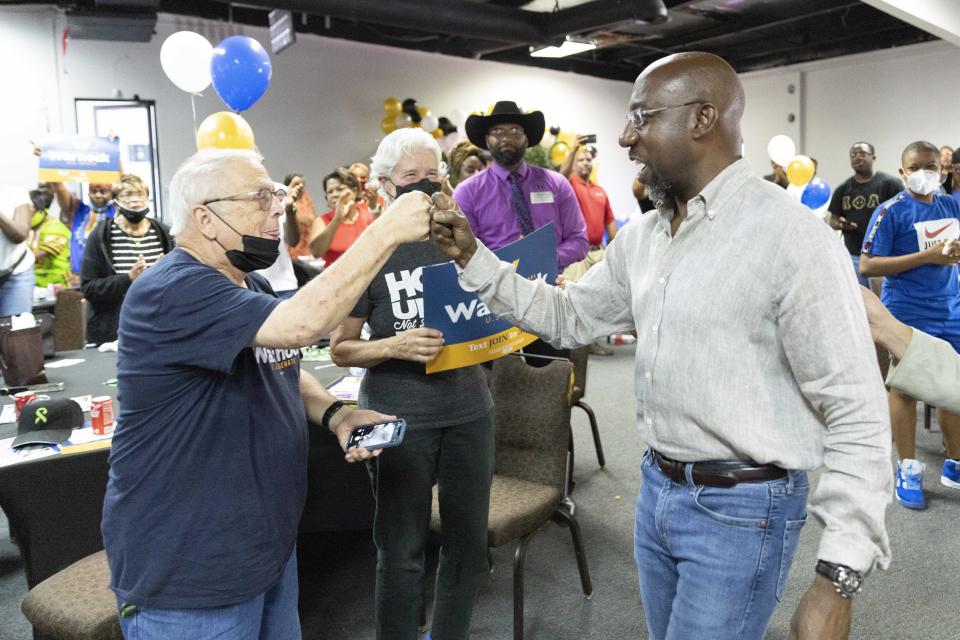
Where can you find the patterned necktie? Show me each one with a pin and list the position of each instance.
(520, 206)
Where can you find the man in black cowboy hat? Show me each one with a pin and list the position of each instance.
(511, 199)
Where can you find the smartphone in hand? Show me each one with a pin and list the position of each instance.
(377, 436)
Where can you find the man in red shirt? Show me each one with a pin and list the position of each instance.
(595, 206)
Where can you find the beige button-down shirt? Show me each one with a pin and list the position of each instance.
(752, 344)
(929, 371)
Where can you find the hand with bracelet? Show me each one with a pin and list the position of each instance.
(332, 414)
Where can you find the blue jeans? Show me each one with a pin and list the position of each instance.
(713, 562)
(272, 615)
(856, 270)
(16, 294)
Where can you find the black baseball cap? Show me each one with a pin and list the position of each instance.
(47, 422)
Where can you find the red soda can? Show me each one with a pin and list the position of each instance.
(20, 400)
(101, 415)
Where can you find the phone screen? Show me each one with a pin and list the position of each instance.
(373, 436)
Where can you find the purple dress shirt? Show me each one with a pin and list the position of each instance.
(486, 201)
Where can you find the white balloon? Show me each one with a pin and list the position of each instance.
(429, 122)
(185, 58)
(446, 142)
(781, 150)
(458, 117)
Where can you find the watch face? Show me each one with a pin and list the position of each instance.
(849, 581)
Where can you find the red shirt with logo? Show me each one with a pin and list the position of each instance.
(595, 206)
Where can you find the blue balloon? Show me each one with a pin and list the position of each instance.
(815, 194)
(241, 71)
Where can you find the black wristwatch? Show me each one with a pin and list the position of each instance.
(845, 580)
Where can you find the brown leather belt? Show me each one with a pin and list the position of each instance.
(718, 473)
(594, 247)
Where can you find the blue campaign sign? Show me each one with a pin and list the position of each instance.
(73, 158)
(471, 333)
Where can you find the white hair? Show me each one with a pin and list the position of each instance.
(396, 145)
(202, 176)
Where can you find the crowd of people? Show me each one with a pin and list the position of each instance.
(752, 367)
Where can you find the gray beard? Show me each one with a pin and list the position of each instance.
(660, 190)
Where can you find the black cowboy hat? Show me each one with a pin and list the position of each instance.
(505, 111)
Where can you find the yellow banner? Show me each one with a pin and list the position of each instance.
(79, 175)
(472, 352)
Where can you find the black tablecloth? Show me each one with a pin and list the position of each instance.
(54, 504)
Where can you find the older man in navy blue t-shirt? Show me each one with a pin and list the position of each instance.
(209, 460)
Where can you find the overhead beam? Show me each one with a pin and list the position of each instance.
(475, 19)
(939, 17)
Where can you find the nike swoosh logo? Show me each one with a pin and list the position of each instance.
(937, 232)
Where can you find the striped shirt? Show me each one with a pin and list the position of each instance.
(125, 249)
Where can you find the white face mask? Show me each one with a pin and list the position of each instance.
(923, 182)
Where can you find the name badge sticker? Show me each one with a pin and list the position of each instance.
(541, 197)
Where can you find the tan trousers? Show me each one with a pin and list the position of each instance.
(576, 270)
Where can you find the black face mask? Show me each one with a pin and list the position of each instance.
(133, 216)
(258, 253)
(426, 186)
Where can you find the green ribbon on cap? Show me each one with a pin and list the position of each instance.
(41, 415)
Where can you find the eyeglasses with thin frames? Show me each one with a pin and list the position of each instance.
(639, 117)
(500, 133)
(264, 197)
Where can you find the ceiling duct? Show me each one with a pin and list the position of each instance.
(478, 20)
(111, 26)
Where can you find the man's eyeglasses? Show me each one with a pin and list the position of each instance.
(264, 197)
(503, 132)
(639, 117)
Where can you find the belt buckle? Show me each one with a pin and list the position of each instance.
(678, 472)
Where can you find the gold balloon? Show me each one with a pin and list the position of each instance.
(392, 106)
(423, 111)
(437, 133)
(800, 171)
(559, 152)
(224, 130)
(388, 124)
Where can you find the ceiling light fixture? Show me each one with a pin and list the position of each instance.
(570, 46)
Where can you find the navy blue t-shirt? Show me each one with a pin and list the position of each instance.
(905, 225)
(208, 468)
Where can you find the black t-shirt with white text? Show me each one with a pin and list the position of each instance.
(393, 303)
(856, 202)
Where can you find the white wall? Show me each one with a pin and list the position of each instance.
(889, 98)
(324, 104)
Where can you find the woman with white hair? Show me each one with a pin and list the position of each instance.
(449, 437)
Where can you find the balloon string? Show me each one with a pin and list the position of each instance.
(193, 106)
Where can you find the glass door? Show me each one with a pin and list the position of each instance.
(134, 123)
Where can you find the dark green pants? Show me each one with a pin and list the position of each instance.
(460, 460)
